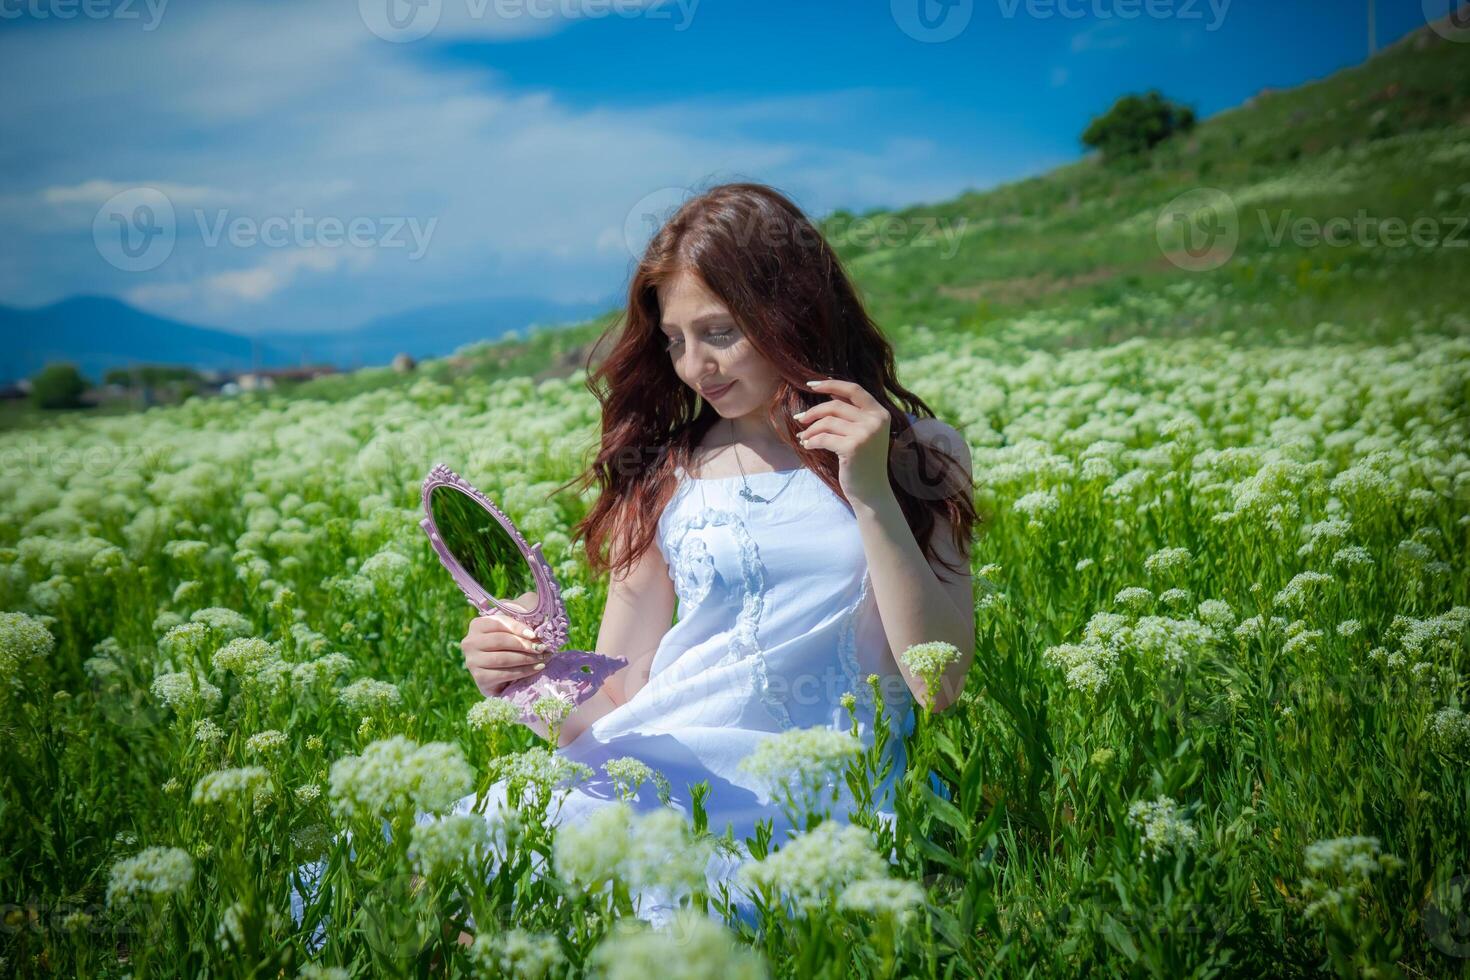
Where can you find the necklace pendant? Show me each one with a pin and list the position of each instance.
(749, 495)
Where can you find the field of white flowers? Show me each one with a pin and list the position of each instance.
(1216, 721)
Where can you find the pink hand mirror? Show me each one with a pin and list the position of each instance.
(490, 559)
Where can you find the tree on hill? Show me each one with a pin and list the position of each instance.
(58, 385)
(1136, 124)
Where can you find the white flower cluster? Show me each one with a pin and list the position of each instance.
(654, 850)
(1216, 614)
(1175, 642)
(691, 948)
(1134, 599)
(1449, 728)
(244, 784)
(1340, 868)
(628, 773)
(1037, 506)
(538, 766)
(896, 898)
(268, 742)
(1352, 557)
(1163, 827)
(1160, 642)
(397, 772)
(1303, 587)
(206, 731)
(255, 661)
(388, 568)
(1166, 560)
(22, 638)
(226, 623)
(182, 690)
(324, 668)
(517, 953)
(930, 660)
(152, 871)
(801, 766)
(367, 694)
(491, 714)
(443, 844)
(186, 640)
(816, 867)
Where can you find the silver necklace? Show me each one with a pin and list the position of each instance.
(745, 490)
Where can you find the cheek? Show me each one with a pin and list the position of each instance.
(743, 361)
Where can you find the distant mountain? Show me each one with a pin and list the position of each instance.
(98, 333)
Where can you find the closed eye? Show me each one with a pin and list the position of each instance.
(720, 336)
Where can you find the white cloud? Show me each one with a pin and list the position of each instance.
(1103, 35)
(95, 192)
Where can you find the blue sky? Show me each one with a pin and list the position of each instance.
(316, 164)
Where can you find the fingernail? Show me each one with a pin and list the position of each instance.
(529, 633)
(539, 648)
(816, 382)
(539, 667)
(800, 414)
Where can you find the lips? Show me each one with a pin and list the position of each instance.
(716, 392)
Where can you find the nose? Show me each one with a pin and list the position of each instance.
(698, 362)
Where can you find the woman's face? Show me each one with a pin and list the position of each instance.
(710, 352)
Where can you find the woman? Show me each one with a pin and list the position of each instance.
(806, 532)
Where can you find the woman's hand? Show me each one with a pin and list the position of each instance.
(854, 426)
(499, 650)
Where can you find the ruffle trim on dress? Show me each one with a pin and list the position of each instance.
(744, 642)
(847, 648)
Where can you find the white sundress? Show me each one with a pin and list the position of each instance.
(775, 622)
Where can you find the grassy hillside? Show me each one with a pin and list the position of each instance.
(1078, 248)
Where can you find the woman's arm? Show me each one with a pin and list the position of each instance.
(915, 606)
(639, 611)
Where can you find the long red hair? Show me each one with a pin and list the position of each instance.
(786, 288)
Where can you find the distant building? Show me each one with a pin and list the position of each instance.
(265, 380)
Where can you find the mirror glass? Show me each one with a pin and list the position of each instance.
(482, 546)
